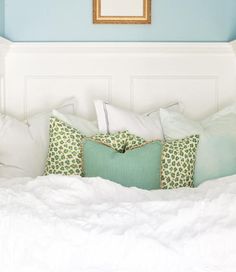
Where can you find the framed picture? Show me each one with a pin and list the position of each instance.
(121, 11)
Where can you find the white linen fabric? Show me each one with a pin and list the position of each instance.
(216, 156)
(63, 224)
(86, 127)
(24, 144)
(113, 119)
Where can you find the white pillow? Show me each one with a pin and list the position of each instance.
(86, 127)
(113, 119)
(24, 144)
(216, 156)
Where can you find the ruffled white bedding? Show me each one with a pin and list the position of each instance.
(70, 224)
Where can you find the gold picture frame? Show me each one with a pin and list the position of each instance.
(144, 18)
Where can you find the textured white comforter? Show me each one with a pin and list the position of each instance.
(70, 224)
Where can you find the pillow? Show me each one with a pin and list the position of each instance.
(112, 119)
(24, 144)
(86, 127)
(216, 156)
(177, 162)
(139, 167)
(65, 149)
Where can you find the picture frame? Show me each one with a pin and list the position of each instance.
(122, 11)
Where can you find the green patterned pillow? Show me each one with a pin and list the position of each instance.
(134, 141)
(65, 147)
(178, 160)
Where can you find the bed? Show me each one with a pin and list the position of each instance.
(68, 223)
(62, 224)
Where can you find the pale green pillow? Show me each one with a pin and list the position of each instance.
(65, 149)
(139, 167)
(216, 156)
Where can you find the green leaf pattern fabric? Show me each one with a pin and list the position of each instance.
(65, 147)
(134, 141)
(178, 162)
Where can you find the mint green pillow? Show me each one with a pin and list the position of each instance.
(139, 167)
(65, 147)
(216, 155)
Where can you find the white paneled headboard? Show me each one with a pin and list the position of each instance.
(139, 76)
(4, 46)
(233, 43)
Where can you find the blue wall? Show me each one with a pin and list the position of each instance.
(71, 20)
(1, 17)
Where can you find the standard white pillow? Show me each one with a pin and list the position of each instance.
(216, 156)
(86, 127)
(113, 119)
(24, 144)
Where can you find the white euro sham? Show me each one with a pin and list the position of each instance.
(85, 126)
(24, 144)
(113, 119)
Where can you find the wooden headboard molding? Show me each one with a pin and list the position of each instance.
(36, 76)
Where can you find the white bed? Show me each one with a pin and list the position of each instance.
(72, 224)
(60, 224)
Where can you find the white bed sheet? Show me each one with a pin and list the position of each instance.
(70, 224)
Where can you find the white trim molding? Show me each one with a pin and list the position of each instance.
(4, 46)
(233, 43)
(124, 47)
(2, 93)
(107, 87)
(209, 48)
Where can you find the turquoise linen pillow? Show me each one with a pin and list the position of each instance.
(139, 167)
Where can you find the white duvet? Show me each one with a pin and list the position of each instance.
(70, 224)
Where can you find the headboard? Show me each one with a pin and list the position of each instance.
(137, 76)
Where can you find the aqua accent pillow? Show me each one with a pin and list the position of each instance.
(65, 147)
(139, 167)
(216, 156)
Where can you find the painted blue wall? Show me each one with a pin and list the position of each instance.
(71, 20)
(1, 17)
